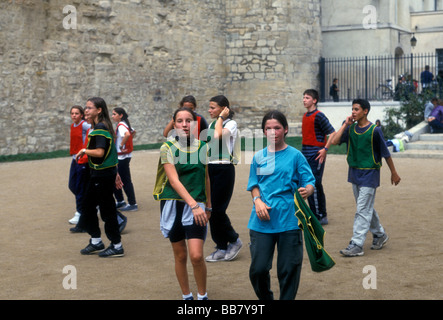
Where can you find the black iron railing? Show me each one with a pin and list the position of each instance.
(376, 78)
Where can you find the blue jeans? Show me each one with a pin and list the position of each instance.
(289, 262)
(366, 218)
(436, 126)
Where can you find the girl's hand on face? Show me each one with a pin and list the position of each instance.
(225, 113)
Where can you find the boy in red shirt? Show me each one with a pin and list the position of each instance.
(315, 143)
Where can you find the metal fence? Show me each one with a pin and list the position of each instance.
(375, 78)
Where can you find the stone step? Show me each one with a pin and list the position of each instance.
(422, 154)
(431, 137)
(424, 145)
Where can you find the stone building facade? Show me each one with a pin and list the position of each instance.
(144, 56)
(374, 28)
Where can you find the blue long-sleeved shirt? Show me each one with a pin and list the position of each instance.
(278, 175)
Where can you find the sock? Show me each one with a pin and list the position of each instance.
(96, 241)
(201, 297)
(117, 245)
(185, 296)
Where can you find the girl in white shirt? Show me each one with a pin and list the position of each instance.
(222, 139)
(124, 135)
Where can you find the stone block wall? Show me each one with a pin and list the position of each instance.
(144, 56)
(272, 54)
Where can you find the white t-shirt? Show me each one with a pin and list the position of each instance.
(231, 125)
(121, 131)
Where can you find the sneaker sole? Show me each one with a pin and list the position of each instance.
(91, 252)
(215, 260)
(113, 256)
(351, 255)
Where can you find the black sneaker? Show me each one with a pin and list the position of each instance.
(93, 248)
(111, 251)
(77, 229)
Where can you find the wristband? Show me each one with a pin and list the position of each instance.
(195, 207)
(326, 148)
(221, 117)
(255, 198)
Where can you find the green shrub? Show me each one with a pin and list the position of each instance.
(409, 114)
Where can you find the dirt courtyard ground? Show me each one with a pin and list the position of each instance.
(37, 245)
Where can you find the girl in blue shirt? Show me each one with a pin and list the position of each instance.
(276, 173)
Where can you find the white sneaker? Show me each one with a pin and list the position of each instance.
(75, 218)
(233, 250)
(217, 255)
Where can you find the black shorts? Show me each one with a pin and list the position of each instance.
(180, 232)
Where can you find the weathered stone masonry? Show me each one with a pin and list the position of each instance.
(144, 56)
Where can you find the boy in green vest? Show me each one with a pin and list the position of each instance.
(366, 148)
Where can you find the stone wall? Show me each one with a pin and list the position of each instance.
(144, 56)
(273, 49)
